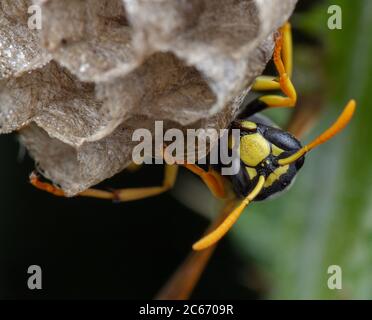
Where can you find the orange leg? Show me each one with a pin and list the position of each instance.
(35, 181)
(283, 62)
(211, 178)
(122, 195)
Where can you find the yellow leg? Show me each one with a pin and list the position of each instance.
(287, 49)
(266, 83)
(121, 195)
(283, 50)
(211, 178)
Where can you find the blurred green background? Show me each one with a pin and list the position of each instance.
(279, 249)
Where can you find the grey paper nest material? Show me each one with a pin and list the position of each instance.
(98, 69)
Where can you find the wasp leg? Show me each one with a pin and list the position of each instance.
(266, 83)
(131, 194)
(283, 62)
(35, 181)
(211, 178)
(122, 195)
(285, 49)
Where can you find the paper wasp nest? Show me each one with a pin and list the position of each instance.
(98, 69)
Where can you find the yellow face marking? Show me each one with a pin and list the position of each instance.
(275, 175)
(251, 172)
(276, 151)
(253, 149)
(248, 125)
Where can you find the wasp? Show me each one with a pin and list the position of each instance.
(270, 158)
